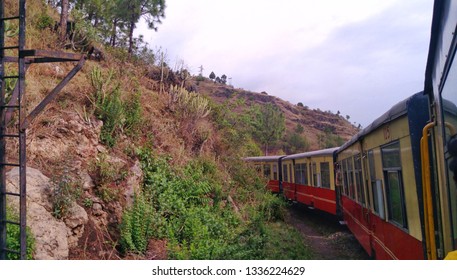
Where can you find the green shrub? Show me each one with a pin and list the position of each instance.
(107, 104)
(189, 207)
(65, 192)
(107, 175)
(13, 238)
(111, 112)
(44, 21)
(140, 222)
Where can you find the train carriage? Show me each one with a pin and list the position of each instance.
(381, 182)
(311, 179)
(440, 134)
(270, 168)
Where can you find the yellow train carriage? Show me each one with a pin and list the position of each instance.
(381, 182)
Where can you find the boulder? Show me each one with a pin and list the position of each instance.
(53, 237)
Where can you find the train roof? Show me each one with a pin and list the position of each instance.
(325, 152)
(264, 158)
(398, 110)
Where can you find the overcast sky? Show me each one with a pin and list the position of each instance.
(359, 57)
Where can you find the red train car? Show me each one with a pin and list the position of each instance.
(308, 178)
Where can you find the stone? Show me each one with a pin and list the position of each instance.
(87, 181)
(50, 233)
(75, 221)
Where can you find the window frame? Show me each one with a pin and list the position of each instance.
(387, 171)
(325, 176)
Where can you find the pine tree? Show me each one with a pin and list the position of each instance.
(151, 10)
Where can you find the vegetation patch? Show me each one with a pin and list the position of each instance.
(190, 209)
(13, 237)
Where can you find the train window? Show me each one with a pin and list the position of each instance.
(391, 156)
(267, 170)
(379, 198)
(285, 178)
(258, 168)
(275, 172)
(344, 170)
(314, 174)
(376, 187)
(449, 101)
(350, 171)
(325, 174)
(359, 179)
(311, 183)
(290, 173)
(394, 185)
(301, 174)
(449, 109)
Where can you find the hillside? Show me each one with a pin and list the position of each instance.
(119, 169)
(314, 121)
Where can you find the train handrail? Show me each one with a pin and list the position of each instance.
(427, 194)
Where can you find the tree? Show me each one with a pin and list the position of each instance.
(268, 125)
(212, 76)
(329, 140)
(224, 79)
(151, 10)
(299, 129)
(296, 143)
(65, 6)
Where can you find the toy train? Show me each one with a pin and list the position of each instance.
(394, 183)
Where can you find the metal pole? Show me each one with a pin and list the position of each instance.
(2, 141)
(22, 135)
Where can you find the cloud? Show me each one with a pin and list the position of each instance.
(357, 56)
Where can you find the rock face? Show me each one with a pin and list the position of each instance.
(53, 237)
(69, 136)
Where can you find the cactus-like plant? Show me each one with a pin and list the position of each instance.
(188, 104)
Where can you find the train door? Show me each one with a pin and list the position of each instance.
(444, 194)
(439, 171)
(440, 188)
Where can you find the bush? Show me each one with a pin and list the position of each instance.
(140, 222)
(44, 21)
(13, 238)
(65, 192)
(107, 176)
(107, 104)
(188, 207)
